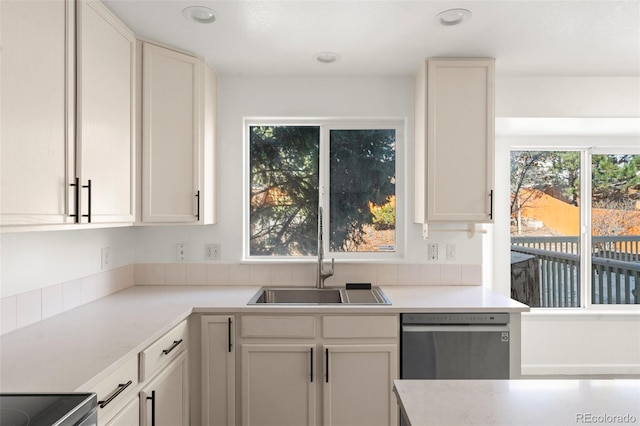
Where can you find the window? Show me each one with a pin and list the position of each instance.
(350, 169)
(555, 193)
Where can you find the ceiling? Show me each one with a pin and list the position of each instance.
(391, 37)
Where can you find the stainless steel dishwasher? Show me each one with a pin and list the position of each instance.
(455, 346)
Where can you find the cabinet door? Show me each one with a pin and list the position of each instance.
(218, 370)
(165, 401)
(358, 384)
(128, 416)
(278, 385)
(171, 87)
(105, 114)
(36, 111)
(455, 141)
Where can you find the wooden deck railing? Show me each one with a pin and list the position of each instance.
(615, 270)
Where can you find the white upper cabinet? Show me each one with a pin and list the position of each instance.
(36, 111)
(68, 77)
(454, 141)
(178, 113)
(105, 114)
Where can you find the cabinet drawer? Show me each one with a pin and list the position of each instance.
(163, 350)
(116, 388)
(128, 416)
(362, 326)
(274, 326)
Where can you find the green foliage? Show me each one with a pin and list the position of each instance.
(284, 173)
(284, 190)
(384, 216)
(362, 171)
(616, 180)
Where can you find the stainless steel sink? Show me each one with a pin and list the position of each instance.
(316, 296)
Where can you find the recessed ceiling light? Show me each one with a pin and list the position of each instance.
(326, 57)
(199, 14)
(452, 17)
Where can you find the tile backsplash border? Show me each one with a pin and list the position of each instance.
(304, 274)
(28, 308)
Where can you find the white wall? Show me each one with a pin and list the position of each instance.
(240, 97)
(34, 260)
(568, 342)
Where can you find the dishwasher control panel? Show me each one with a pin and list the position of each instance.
(456, 318)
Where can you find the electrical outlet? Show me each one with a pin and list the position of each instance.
(105, 255)
(451, 251)
(212, 252)
(181, 252)
(433, 252)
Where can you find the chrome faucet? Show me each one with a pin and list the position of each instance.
(322, 274)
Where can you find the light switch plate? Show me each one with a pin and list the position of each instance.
(180, 252)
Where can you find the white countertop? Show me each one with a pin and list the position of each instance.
(518, 402)
(76, 349)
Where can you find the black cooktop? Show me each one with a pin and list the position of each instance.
(45, 409)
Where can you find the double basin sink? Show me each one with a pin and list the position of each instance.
(319, 296)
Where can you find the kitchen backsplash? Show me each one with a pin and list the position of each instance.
(28, 308)
(304, 274)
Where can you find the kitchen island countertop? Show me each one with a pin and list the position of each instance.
(76, 349)
(518, 402)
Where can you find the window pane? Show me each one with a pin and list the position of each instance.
(615, 219)
(284, 190)
(545, 228)
(362, 190)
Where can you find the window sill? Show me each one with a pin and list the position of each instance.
(622, 313)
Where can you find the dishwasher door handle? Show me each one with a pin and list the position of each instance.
(454, 328)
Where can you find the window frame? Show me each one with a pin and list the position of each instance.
(585, 235)
(326, 125)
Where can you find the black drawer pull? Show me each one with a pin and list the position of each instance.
(326, 363)
(229, 331)
(76, 200)
(153, 407)
(88, 215)
(311, 362)
(175, 345)
(491, 204)
(114, 395)
(198, 205)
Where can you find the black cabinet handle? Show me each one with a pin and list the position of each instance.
(76, 199)
(173, 346)
(229, 331)
(88, 215)
(198, 205)
(491, 204)
(114, 395)
(311, 362)
(326, 363)
(153, 407)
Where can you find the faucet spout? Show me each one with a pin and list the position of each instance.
(322, 274)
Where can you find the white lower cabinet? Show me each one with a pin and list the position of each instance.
(218, 370)
(116, 390)
(128, 416)
(278, 385)
(165, 400)
(326, 370)
(357, 387)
